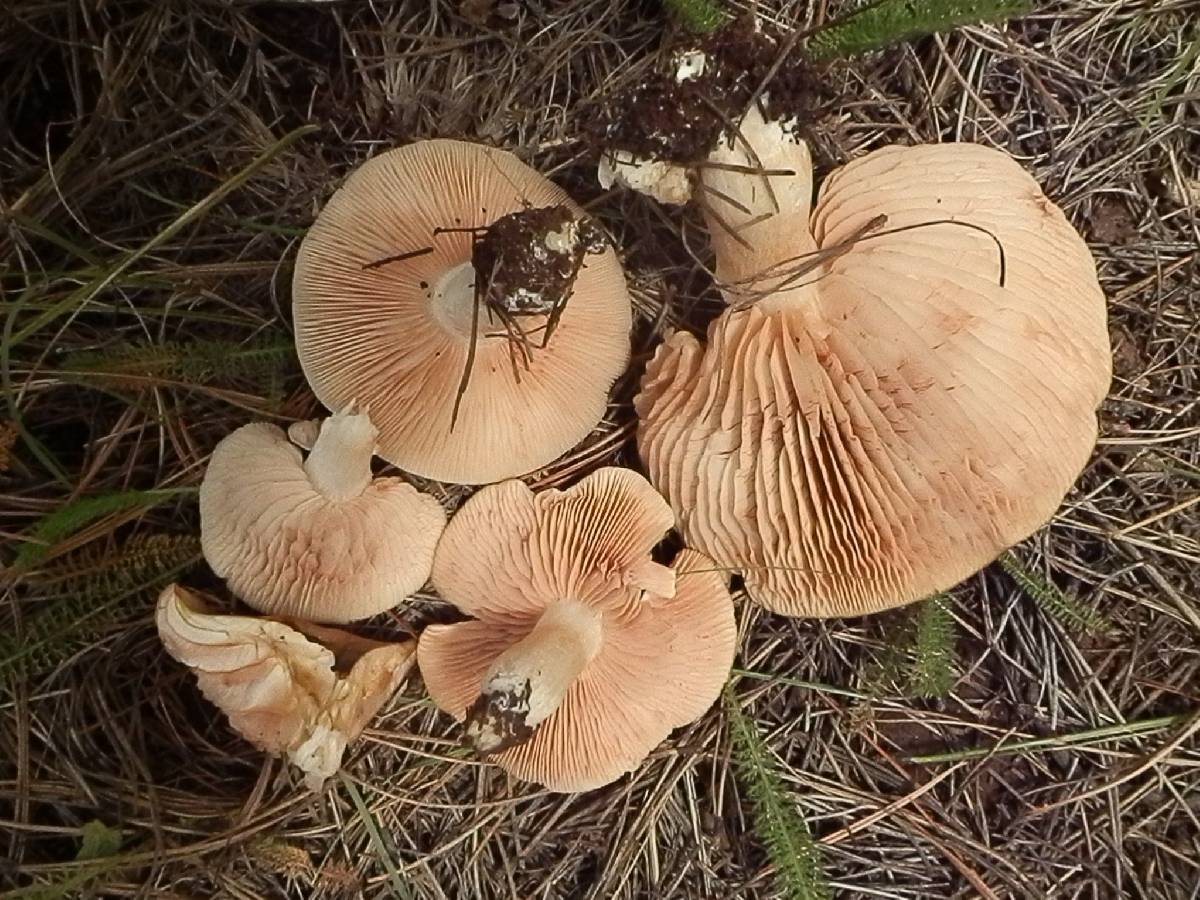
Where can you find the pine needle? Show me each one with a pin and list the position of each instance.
(1069, 612)
(889, 22)
(931, 656)
(776, 819)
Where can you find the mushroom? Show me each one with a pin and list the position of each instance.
(905, 382)
(584, 653)
(284, 693)
(315, 538)
(385, 305)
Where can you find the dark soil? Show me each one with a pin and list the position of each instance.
(528, 260)
(681, 120)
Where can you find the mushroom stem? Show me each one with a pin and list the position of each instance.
(528, 681)
(339, 465)
(452, 299)
(759, 224)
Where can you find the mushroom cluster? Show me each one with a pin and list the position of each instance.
(307, 541)
(481, 317)
(903, 384)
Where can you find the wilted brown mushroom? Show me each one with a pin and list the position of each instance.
(282, 692)
(904, 385)
(385, 308)
(584, 653)
(315, 538)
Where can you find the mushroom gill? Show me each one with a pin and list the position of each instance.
(384, 300)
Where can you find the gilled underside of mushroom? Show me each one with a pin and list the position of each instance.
(529, 680)
(883, 409)
(389, 308)
(583, 653)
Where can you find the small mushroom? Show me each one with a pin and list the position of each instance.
(315, 538)
(584, 653)
(284, 693)
(386, 310)
(905, 382)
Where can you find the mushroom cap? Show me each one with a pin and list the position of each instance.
(668, 634)
(282, 692)
(289, 550)
(388, 336)
(885, 431)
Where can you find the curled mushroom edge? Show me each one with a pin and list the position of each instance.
(292, 689)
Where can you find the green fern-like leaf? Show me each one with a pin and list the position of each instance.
(99, 840)
(68, 519)
(887, 22)
(697, 16)
(195, 362)
(65, 886)
(876, 680)
(931, 664)
(95, 575)
(1069, 612)
(85, 594)
(776, 819)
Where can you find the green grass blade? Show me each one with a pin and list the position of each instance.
(399, 887)
(81, 297)
(1123, 731)
(70, 518)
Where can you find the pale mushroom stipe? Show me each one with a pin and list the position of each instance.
(317, 538)
(891, 398)
(386, 310)
(285, 693)
(583, 653)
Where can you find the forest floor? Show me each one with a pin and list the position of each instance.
(159, 163)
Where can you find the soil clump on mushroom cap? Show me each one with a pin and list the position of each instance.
(528, 260)
(679, 112)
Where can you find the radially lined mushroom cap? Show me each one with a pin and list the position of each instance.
(396, 336)
(315, 538)
(884, 425)
(282, 692)
(564, 591)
